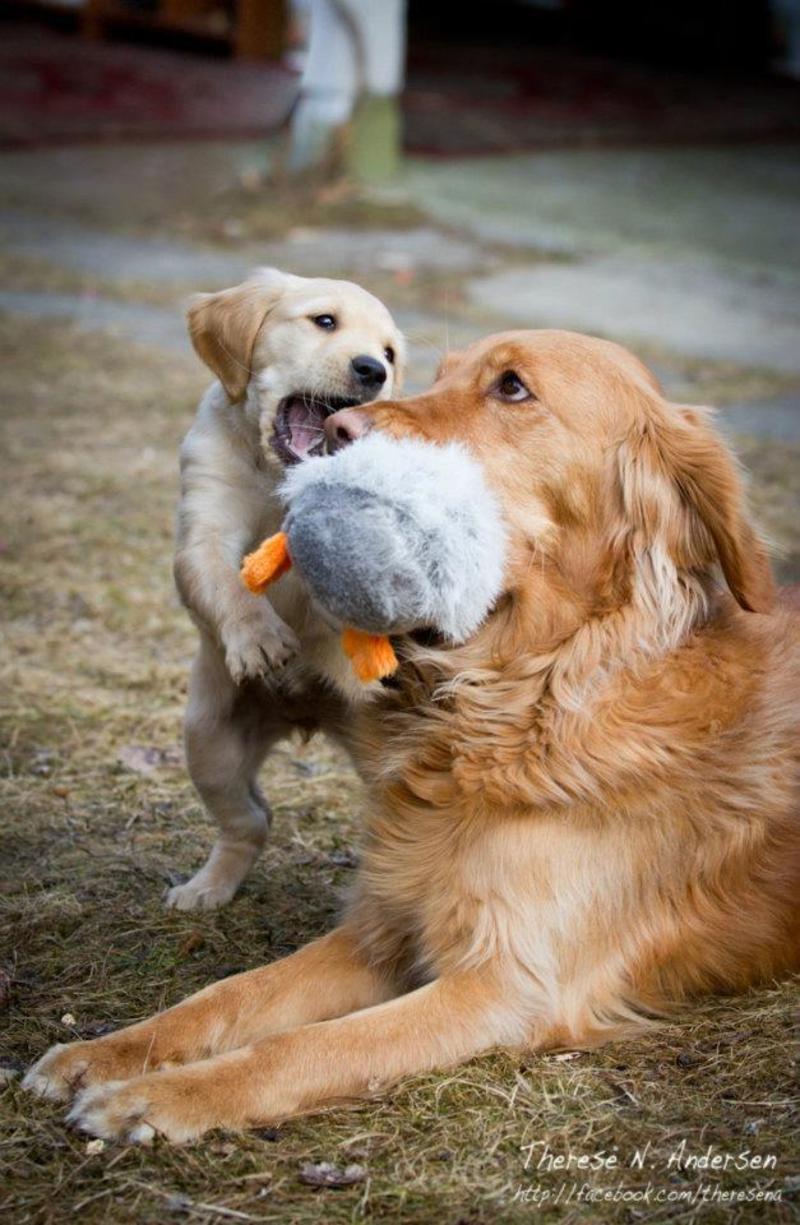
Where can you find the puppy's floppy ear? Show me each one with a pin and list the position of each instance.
(223, 326)
(702, 507)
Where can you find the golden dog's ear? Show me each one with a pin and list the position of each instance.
(708, 477)
(223, 326)
(702, 507)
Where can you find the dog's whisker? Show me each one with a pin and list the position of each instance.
(428, 344)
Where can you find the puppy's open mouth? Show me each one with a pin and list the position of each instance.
(298, 431)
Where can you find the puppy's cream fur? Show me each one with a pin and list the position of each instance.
(256, 674)
(584, 814)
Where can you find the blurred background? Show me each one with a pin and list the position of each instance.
(615, 166)
(621, 167)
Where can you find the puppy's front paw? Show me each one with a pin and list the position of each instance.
(200, 893)
(257, 641)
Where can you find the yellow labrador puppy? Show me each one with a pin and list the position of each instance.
(287, 351)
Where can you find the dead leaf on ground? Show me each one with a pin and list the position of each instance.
(326, 1174)
(9, 1072)
(147, 758)
(343, 858)
(191, 943)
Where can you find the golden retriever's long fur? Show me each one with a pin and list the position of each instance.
(581, 816)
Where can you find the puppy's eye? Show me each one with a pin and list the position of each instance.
(511, 387)
(326, 322)
(389, 354)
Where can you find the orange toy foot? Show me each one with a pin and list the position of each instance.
(371, 655)
(269, 561)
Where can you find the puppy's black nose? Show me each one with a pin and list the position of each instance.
(369, 371)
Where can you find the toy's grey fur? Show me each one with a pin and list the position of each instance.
(396, 534)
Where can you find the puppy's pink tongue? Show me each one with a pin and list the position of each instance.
(305, 430)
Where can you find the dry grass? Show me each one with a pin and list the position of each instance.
(94, 660)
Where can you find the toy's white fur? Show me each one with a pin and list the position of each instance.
(452, 547)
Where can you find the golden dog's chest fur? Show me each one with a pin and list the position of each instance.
(618, 854)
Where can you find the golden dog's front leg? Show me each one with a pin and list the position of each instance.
(324, 979)
(309, 1068)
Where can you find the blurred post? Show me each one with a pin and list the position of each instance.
(786, 20)
(350, 87)
(260, 28)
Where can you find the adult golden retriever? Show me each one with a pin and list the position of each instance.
(583, 815)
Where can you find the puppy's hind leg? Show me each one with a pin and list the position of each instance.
(229, 730)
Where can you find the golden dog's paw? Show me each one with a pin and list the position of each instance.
(137, 1110)
(66, 1069)
(60, 1072)
(108, 1112)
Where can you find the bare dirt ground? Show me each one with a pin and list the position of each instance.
(97, 817)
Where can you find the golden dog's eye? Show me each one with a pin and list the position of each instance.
(511, 387)
(388, 353)
(326, 322)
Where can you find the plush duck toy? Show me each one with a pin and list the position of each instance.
(389, 535)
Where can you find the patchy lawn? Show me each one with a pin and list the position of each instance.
(97, 816)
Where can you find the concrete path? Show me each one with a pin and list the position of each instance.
(169, 261)
(691, 253)
(148, 325)
(735, 203)
(695, 307)
(695, 250)
(776, 419)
